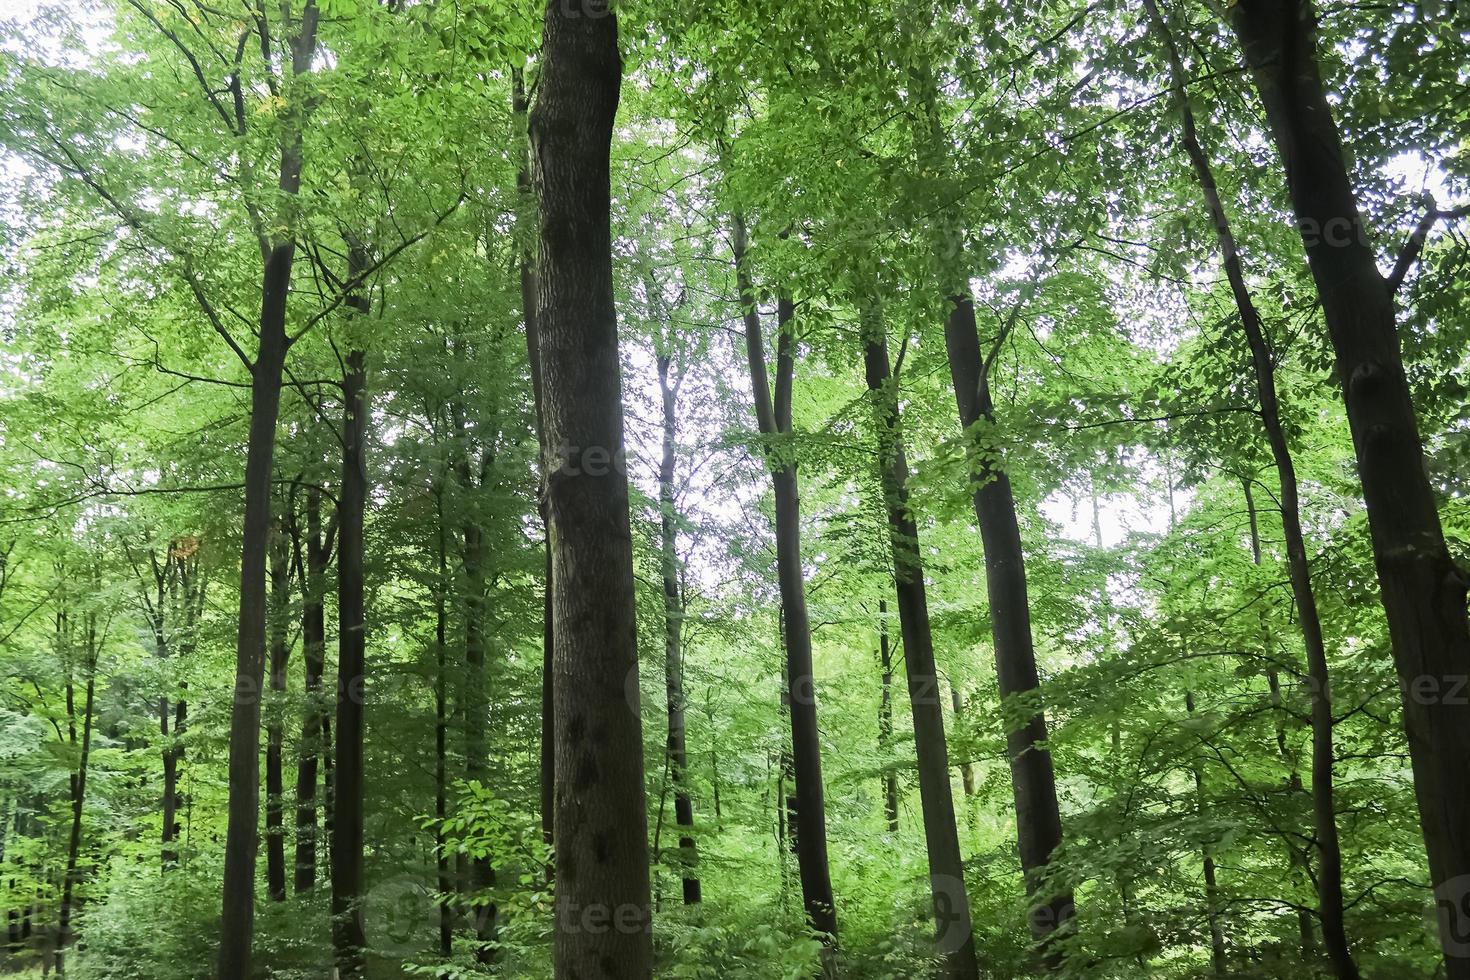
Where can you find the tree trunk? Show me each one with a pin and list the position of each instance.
(237, 917)
(1329, 871)
(1423, 590)
(441, 734)
(526, 236)
(1212, 888)
(603, 925)
(275, 831)
(349, 938)
(773, 416)
(673, 639)
(314, 726)
(78, 783)
(954, 937)
(1033, 782)
(885, 721)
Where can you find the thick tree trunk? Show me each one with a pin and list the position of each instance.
(773, 416)
(1038, 818)
(275, 831)
(954, 937)
(314, 726)
(676, 746)
(603, 925)
(237, 917)
(885, 720)
(1423, 590)
(349, 939)
(1329, 869)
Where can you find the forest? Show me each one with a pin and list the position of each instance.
(752, 489)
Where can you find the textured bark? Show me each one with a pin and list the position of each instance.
(601, 825)
(526, 237)
(349, 939)
(237, 916)
(1329, 851)
(676, 744)
(773, 416)
(885, 720)
(1033, 782)
(955, 938)
(1423, 590)
(280, 600)
(315, 727)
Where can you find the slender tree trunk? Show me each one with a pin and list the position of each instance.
(677, 749)
(1294, 776)
(601, 820)
(773, 416)
(476, 680)
(441, 734)
(237, 918)
(78, 783)
(314, 727)
(1212, 888)
(349, 937)
(275, 831)
(1038, 817)
(955, 939)
(1329, 870)
(526, 237)
(885, 721)
(1423, 589)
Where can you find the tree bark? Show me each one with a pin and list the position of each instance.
(1423, 590)
(955, 940)
(441, 732)
(78, 782)
(349, 937)
(1329, 851)
(280, 600)
(315, 727)
(603, 926)
(885, 721)
(237, 917)
(773, 417)
(676, 745)
(1033, 782)
(526, 236)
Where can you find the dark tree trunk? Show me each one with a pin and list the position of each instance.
(1423, 589)
(1329, 852)
(601, 820)
(349, 938)
(275, 831)
(476, 680)
(526, 238)
(676, 746)
(237, 917)
(885, 721)
(954, 935)
(773, 416)
(78, 782)
(315, 729)
(1038, 819)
